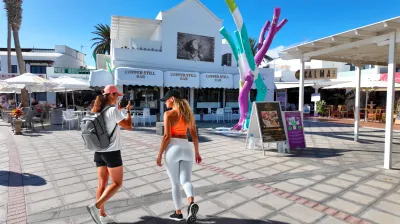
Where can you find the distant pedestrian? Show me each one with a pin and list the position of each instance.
(178, 154)
(109, 161)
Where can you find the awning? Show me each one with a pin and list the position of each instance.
(182, 79)
(214, 80)
(283, 85)
(138, 77)
(100, 78)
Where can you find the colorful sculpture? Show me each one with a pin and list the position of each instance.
(248, 63)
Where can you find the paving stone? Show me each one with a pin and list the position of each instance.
(56, 221)
(274, 201)
(302, 181)
(379, 184)
(120, 195)
(388, 179)
(252, 166)
(380, 217)
(368, 190)
(77, 197)
(358, 198)
(349, 177)
(282, 219)
(285, 186)
(146, 171)
(311, 194)
(222, 165)
(132, 215)
(237, 170)
(200, 183)
(205, 173)
(41, 206)
(68, 181)
(339, 182)
(250, 192)
(210, 208)
(302, 213)
(72, 188)
(318, 177)
(344, 205)
(253, 210)
(42, 195)
(237, 161)
(230, 199)
(393, 197)
(281, 167)
(163, 207)
(231, 215)
(3, 213)
(359, 173)
(388, 207)
(133, 183)
(327, 188)
(331, 220)
(143, 190)
(154, 177)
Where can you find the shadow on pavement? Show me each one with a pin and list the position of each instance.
(12, 179)
(209, 220)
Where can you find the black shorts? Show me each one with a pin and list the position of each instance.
(109, 159)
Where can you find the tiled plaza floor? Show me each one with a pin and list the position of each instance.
(334, 181)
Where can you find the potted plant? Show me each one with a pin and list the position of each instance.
(17, 114)
(321, 107)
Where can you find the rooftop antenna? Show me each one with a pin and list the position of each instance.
(82, 48)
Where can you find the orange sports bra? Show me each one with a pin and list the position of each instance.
(179, 128)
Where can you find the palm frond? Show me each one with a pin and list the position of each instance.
(102, 41)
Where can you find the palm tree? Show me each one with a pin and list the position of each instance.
(9, 47)
(14, 16)
(103, 39)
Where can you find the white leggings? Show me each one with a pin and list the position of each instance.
(179, 159)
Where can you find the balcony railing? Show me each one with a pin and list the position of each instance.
(72, 70)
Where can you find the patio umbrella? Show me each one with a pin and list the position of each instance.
(32, 83)
(69, 84)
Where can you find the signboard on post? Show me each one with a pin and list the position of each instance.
(295, 130)
(315, 97)
(266, 123)
(281, 97)
(320, 73)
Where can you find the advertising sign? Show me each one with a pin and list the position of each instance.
(295, 130)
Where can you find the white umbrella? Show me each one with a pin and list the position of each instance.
(32, 82)
(367, 84)
(66, 83)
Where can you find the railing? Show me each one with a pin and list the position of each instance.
(144, 49)
(72, 70)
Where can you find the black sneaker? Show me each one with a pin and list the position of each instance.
(192, 211)
(176, 217)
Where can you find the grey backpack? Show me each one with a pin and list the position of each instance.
(94, 131)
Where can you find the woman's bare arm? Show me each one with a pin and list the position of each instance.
(195, 137)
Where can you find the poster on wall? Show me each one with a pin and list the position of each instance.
(295, 130)
(281, 98)
(195, 47)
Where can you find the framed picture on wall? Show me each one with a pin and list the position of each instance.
(195, 47)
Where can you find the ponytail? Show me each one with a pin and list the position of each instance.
(184, 110)
(100, 103)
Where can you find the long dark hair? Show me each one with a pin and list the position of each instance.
(100, 103)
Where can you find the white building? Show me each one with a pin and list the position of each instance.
(47, 63)
(151, 55)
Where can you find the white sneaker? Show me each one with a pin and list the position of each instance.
(106, 219)
(95, 213)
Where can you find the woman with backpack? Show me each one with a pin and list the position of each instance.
(108, 160)
(178, 154)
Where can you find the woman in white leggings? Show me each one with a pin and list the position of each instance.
(178, 154)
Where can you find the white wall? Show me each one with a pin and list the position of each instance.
(157, 35)
(269, 76)
(66, 61)
(195, 17)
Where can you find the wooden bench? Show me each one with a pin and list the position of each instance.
(160, 130)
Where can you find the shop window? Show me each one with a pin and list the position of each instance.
(143, 96)
(40, 97)
(208, 95)
(231, 95)
(14, 69)
(35, 69)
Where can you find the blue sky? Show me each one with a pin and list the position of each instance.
(50, 22)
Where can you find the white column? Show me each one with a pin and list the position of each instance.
(161, 103)
(315, 102)
(357, 103)
(390, 101)
(301, 88)
(191, 98)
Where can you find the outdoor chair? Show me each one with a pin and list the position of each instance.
(228, 112)
(333, 112)
(39, 119)
(145, 116)
(27, 121)
(219, 114)
(68, 117)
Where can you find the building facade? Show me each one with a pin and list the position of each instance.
(181, 48)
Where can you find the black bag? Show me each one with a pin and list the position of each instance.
(94, 131)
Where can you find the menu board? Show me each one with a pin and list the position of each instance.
(295, 130)
(270, 121)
